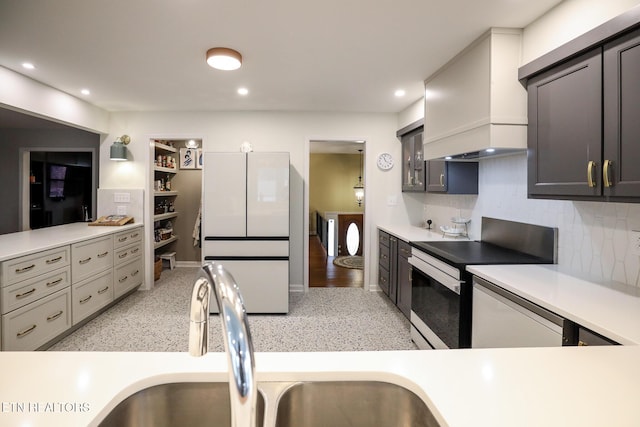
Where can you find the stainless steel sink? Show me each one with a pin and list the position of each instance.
(352, 404)
(177, 404)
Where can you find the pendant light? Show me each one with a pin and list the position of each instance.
(359, 187)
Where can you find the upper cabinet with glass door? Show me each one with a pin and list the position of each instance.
(413, 166)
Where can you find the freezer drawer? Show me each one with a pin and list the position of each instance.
(220, 247)
(501, 319)
(264, 284)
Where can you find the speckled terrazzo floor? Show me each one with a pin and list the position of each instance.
(324, 319)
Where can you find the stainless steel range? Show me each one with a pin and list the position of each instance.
(441, 288)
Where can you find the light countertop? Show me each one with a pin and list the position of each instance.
(614, 313)
(575, 386)
(24, 242)
(411, 233)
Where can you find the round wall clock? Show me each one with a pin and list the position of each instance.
(385, 161)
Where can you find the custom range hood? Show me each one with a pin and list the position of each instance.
(474, 105)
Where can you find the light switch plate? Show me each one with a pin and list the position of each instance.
(392, 200)
(121, 197)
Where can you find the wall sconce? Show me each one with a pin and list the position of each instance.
(359, 188)
(119, 149)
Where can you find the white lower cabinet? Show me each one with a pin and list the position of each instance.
(127, 277)
(35, 324)
(91, 295)
(45, 293)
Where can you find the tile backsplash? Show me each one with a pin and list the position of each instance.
(594, 238)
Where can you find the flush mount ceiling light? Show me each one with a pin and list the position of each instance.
(223, 58)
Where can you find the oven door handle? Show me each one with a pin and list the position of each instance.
(430, 271)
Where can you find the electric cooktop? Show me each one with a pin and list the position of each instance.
(468, 252)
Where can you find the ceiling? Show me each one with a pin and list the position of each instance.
(330, 55)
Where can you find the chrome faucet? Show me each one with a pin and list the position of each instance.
(237, 338)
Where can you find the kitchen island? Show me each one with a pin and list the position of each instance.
(574, 386)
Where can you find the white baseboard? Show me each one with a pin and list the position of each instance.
(188, 264)
(295, 287)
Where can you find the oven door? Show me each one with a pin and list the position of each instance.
(435, 305)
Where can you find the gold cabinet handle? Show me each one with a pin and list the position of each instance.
(590, 169)
(54, 260)
(606, 169)
(55, 282)
(123, 239)
(24, 269)
(26, 331)
(82, 301)
(123, 279)
(104, 254)
(54, 316)
(135, 273)
(84, 261)
(102, 291)
(122, 255)
(135, 250)
(133, 236)
(441, 180)
(26, 294)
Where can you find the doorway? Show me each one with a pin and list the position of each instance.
(336, 215)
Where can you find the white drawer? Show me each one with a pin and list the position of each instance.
(125, 254)
(91, 295)
(28, 291)
(25, 267)
(127, 237)
(128, 276)
(90, 257)
(245, 247)
(33, 325)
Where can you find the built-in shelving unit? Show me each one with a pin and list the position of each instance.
(165, 168)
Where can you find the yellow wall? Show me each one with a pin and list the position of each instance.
(331, 181)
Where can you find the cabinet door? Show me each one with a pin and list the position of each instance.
(413, 170)
(621, 174)
(404, 278)
(436, 176)
(224, 194)
(564, 133)
(267, 194)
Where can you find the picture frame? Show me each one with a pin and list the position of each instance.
(188, 158)
(199, 157)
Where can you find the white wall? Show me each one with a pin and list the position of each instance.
(571, 18)
(271, 131)
(23, 94)
(412, 113)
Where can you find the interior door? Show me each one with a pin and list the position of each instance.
(344, 222)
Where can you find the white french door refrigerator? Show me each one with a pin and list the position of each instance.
(245, 225)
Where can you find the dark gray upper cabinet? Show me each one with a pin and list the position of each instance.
(583, 108)
(452, 177)
(621, 170)
(413, 172)
(564, 132)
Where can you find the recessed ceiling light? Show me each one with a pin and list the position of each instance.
(85, 92)
(28, 65)
(223, 58)
(490, 150)
(399, 93)
(243, 91)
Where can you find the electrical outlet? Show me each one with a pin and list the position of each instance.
(635, 242)
(121, 210)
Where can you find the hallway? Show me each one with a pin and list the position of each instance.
(323, 273)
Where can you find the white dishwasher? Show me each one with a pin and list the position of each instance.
(502, 319)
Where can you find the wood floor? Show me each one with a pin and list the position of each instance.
(323, 273)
